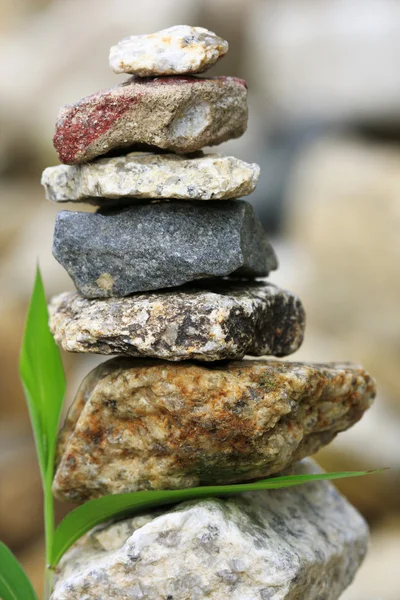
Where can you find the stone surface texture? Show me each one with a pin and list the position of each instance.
(300, 543)
(228, 320)
(140, 425)
(151, 176)
(181, 114)
(178, 50)
(152, 246)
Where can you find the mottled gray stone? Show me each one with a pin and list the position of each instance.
(303, 543)
(153, 246)
(180, 114)
(209, 322)
(178, 50)
(151, 176)
(148, 424)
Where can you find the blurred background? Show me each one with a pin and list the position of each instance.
(324, 126)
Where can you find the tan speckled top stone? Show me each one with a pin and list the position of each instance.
(148, 175)
(178, 50)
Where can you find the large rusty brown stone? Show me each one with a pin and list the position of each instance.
(145, 424)
(181, 114)
(210, 321)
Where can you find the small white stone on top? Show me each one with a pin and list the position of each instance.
(178, 50)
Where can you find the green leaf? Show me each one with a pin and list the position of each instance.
(43, 378)
(14, 584)
(82, 519)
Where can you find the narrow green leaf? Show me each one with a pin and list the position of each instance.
(82, 519)
(43, 378)
(14, 584)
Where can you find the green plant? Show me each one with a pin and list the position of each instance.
(44, 384)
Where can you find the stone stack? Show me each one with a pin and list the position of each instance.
(168, 274)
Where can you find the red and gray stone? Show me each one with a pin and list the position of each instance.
(180, 114)
(209, 322)
(178, 50)
(152, 246)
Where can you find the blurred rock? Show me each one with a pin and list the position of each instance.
(374, 442)
(15, 205)
(31, 246)
(379, 576)
(60, 71)
(20, 489)
(327, 59)
(296, 543)
(26, 232)
(378, 494)
(343, 213)
(15, 12)
(12, 401)
(214, 13)
(32, 558)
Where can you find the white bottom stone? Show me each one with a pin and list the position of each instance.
(300, 543)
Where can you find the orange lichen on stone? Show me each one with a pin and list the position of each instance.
(155, 425)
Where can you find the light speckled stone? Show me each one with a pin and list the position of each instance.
(160, 245)
(140, 425)
(154, 176)
(303, 543)
(178, 50)
(214, 322)
(180, 114)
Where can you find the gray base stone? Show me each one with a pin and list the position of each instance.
(140, 425)
(180, 114)
(153, 246)
(303, 543)
(178, 50)
(224, 320)
(139, 175)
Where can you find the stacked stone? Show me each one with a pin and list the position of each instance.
(168, 274)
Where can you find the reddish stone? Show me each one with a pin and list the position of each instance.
(180, 114)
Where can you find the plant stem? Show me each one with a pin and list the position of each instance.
(48, 582)
(49, 529)
(48, 522)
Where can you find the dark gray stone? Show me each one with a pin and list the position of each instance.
(153, 246)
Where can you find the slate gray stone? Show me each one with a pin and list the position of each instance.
(302, 543)
(153, 246)
(207, 322)
(140, 424)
